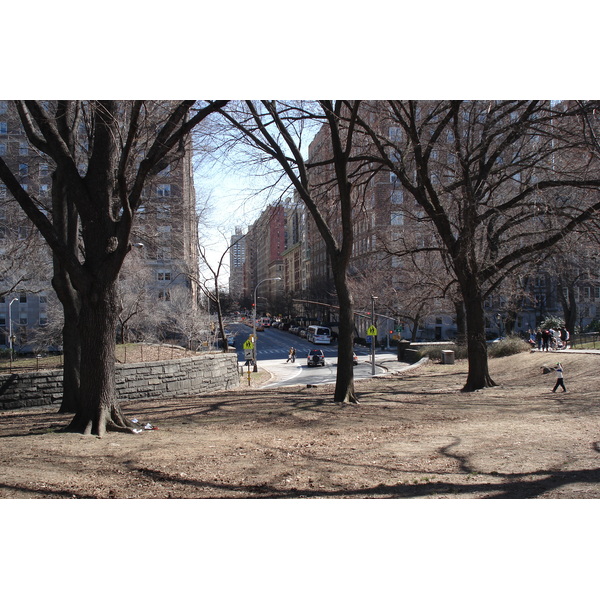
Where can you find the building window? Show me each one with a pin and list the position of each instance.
(3, 149)
(3, 106)
(163, 190)
(395, 134)
(2, 190)
(23, 298)
(23, 169)
(397, 218)
(43, 299)
(43, 170)
(23, 148)
(43, 319)
(23, 232)
(397, 197)
(44, 189)
(164, 296)
(3, 128)
(164, 275)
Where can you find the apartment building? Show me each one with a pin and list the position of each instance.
(165, 235)
(387, 220)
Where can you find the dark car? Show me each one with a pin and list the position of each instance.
(315, 358)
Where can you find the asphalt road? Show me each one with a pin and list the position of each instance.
(273, 350)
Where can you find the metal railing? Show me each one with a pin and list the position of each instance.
(579, 341)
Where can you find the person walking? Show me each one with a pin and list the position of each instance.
(292, 355)
(560, 381)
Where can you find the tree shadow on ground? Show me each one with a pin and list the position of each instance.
(517, 489)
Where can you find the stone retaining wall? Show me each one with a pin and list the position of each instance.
(166, 379)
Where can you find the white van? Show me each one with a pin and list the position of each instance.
(317, 334)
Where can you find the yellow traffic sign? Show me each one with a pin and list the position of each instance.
(248, 345)
(372, 330)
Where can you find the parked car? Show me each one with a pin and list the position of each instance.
(315, 358)
(302, 333)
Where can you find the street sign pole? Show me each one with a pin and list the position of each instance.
(372, 331)
(249, 346)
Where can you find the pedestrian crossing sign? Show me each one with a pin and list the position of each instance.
(248, 345)
(372, 330)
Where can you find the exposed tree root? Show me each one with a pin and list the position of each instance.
(105, 420)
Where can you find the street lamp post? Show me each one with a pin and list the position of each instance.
(373, 338)
(11, 337)
(254, 340)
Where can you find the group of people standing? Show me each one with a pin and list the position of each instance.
(552, 339)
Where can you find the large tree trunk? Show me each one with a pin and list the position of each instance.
(99, 410)
(478, 376)
(66, 223)
(69, 299)
(461, 327)
(344, 384)
(71, 366)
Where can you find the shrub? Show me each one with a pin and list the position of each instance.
(508, 347)
(552, 322)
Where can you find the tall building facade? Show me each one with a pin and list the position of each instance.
(388, 225)
(165, 234)
(237, 260)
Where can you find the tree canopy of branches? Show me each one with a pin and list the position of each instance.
(103, 154)
(496, 182)
(323, 181)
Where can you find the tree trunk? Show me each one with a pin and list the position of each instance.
(71, 363)
(66, 223)
(99, 410)
(344, 384)
(69, 298)
(461, 327)
(478, 376)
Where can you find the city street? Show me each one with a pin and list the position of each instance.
(273, 349)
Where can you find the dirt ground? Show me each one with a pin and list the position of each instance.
(413, 435)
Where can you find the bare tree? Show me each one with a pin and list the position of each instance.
(324, 182)
(182, 316)
(104, 153)
(494, 180)
(136, 309)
